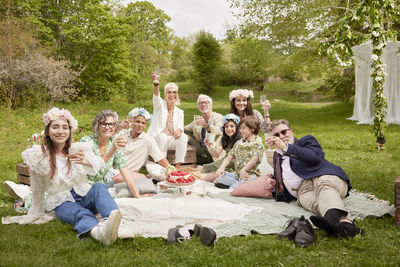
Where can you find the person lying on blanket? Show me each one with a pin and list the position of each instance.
(209, 123)
(246, 153)
(140, 146)
(301, 172)
(59, 168)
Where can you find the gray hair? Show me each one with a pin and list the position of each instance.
(209, 99)
(275, 123)
(103, 115)
(170, 85)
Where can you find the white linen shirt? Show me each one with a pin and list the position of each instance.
(160, 116)
(138, 150)
(58, 188)
(291, 180)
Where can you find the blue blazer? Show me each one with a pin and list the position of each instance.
(307, 160)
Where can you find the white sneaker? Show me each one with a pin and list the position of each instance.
(107, 230)
(16, 190)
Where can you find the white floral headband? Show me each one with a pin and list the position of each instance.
(140, 112)
(241, 92)
(64, 114)
(228, 117)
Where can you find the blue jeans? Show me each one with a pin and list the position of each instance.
(231, 180)
(81, 212)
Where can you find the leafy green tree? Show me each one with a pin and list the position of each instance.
(181, 64)
(148, 41)
(206, 60)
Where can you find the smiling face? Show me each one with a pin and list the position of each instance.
(240, 103)
(107, 127)
(59, 131)
(284, 133)
(205, 106)
(230, 128)
(246, 131)
(171, 95)
(138, 125)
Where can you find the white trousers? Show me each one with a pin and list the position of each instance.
(166, 142)
(156, 171)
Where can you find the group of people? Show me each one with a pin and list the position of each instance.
(72, 178)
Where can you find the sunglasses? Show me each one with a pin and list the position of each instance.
(282, 132)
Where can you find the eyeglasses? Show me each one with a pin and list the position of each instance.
(204, 103)
(110, 125)
(282, 132)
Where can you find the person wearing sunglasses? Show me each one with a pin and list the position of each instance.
(302, 172)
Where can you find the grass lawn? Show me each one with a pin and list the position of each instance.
(345, 143)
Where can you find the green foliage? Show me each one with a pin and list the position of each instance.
(206, 59)
(343, 85)
(345, 143)
(182, 69)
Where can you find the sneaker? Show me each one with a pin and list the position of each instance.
(179, 233)
(16, 190)
(207, 236)
(107, 230)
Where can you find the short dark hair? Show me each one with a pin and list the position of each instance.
(251, 122)
(275, 123)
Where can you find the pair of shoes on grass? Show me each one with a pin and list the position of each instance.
(300, 231)
(179, 233)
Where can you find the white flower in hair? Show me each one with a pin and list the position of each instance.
(241, 92)
(140, 112)
(64, 114)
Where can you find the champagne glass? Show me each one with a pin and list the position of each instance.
(156, 75)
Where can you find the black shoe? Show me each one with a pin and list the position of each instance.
(197, 229)
(207, 236)
(346, 229)
(304, 233)
(323, 223)
(222, 186)
(174, 235)
(290, 231)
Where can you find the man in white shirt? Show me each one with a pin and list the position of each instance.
(141, 145)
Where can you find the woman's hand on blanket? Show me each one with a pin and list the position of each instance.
(145, 195)
(243, 175)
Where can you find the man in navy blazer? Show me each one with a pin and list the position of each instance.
(302, 172)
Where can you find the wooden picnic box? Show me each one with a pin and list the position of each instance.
(23, 174)
(397, 201)
(190, 158)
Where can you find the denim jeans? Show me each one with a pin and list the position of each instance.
(81, 212)
(231, 180)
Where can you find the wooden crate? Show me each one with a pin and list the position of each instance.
(397, 201)
(23, 174)
(190, 158)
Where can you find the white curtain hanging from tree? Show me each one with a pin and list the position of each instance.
(363, 111)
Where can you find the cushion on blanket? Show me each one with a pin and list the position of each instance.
(255, 188)
(143, 186)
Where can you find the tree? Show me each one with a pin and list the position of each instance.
(206, 59)
(374, 20)
(180, 59)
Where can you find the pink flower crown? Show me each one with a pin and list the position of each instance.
(64, 114)
(241, 92)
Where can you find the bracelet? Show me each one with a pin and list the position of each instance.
(212, 148)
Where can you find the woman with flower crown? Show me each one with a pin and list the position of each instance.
(230, 135)
(59, 168)
(241, 106)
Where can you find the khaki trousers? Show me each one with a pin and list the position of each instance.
(322, 193)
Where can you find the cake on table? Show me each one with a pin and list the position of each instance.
(180, 178)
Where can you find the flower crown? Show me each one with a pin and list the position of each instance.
(140, 112)
(241, 92)
(228, 117)
(64, 114)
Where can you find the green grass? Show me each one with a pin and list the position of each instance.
(345, 143)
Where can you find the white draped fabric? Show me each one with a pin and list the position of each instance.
(363, 106)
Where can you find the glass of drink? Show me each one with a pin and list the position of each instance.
(196, 117)
(73, 149)
(211, 137)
